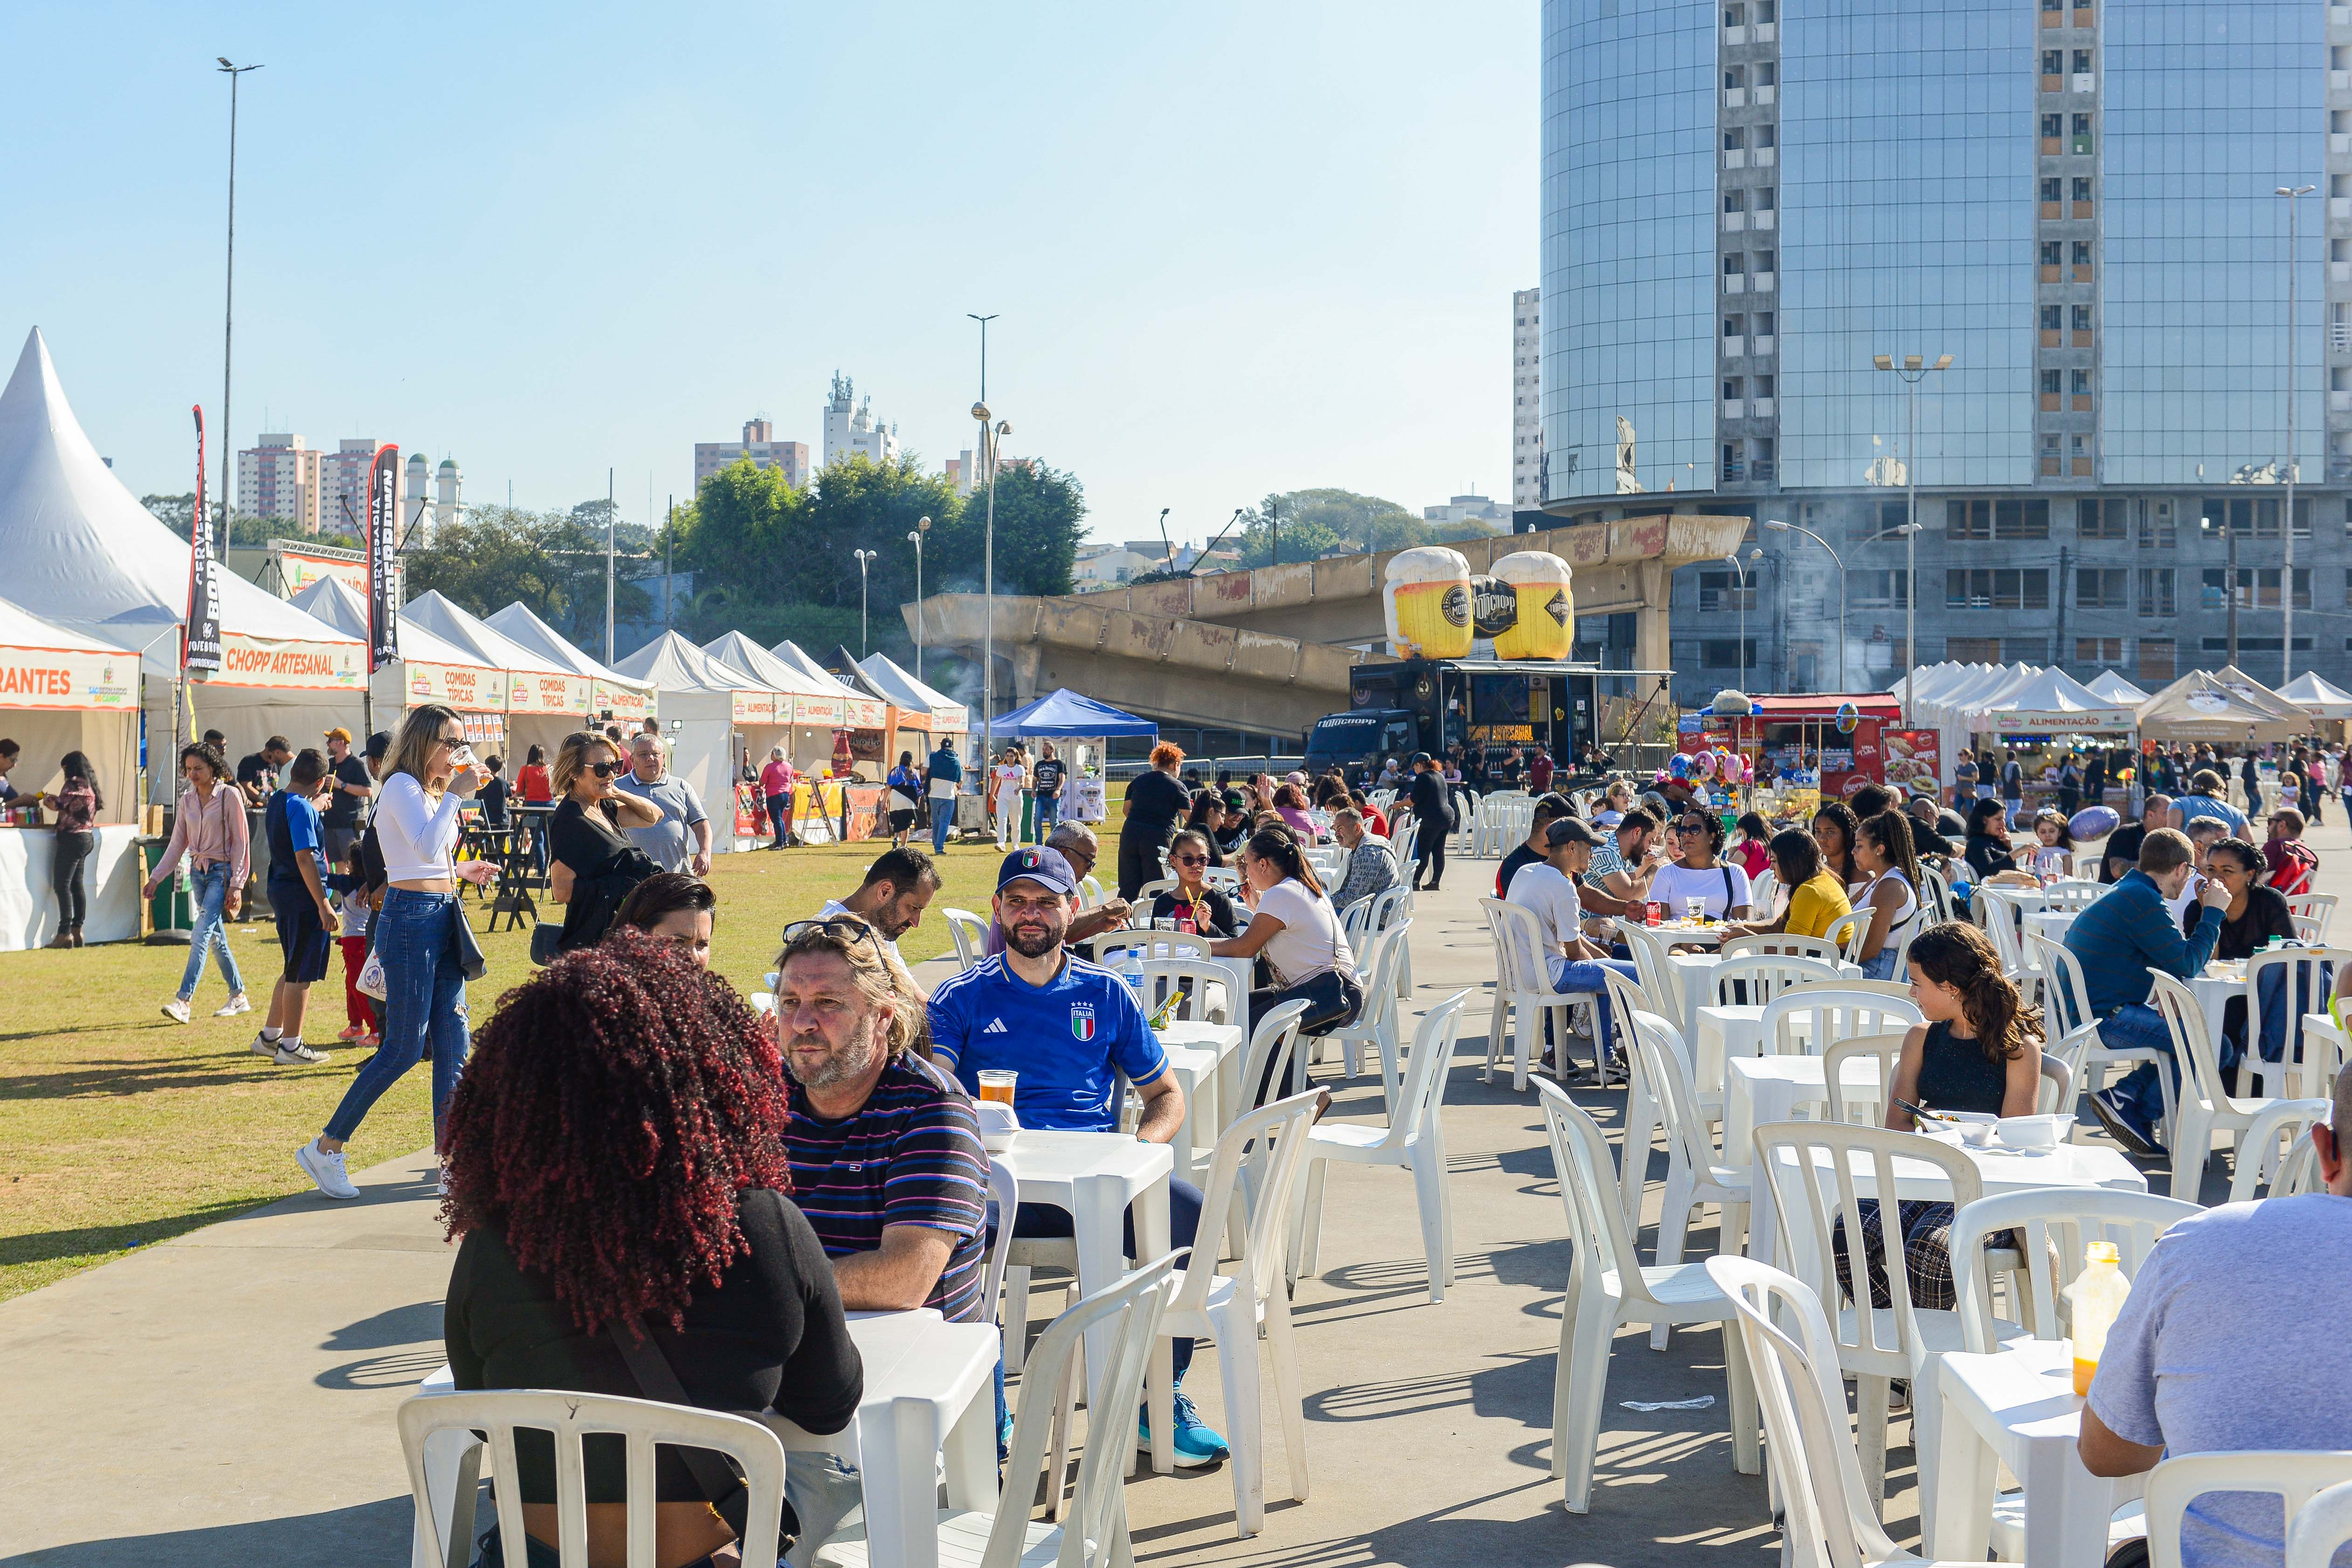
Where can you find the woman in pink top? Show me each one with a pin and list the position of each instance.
(776, 783)
(209, 828)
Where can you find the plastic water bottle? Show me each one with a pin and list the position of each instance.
(1131, 969)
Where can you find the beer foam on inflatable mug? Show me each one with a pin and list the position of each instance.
(1545, 624)
(1428, 603)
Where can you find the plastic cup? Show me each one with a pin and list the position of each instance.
(1695, 910)
(997, 1083)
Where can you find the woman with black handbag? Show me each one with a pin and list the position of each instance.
(618, 1175)
(422, 941)
(591, 865)
(1295, 928)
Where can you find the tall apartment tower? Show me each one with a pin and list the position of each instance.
(279, 478)
(415, 526)
(342, 487)
(1748, 203)
(760, 445)
(1527, 398)
(849, 430)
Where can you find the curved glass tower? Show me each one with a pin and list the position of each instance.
(1746, 203)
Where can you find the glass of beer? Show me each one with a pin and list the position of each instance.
(996, 1083)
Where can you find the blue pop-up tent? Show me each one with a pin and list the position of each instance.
(1067, 713)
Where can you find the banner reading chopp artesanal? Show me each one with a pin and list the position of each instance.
(382, 542)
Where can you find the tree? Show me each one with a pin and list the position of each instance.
(1313, 521)
(493, 556)
(1041, 514)
(172, 513)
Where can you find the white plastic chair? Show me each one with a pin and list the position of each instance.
(2294, 1477)
(1813, 1187)
(1820, 949)
(1694, 1175)
(1862, 1107)
(2059, 1220)
(1388, 907)
(1231, 1309)
(1090, 892)
(1376, 1021)
(2206, 1105)
(1607, 1287)
(2001, 916)
(2316, 909)
(970, 934)
(1004, 1190)
(1936, 895)
(1152, 890)
(1849, 931)
(1413, 1138)
(1107, 947)
(1096, 1535)
(1661, 992)
(1206, 988)
(1763, 893)
(569, 1416)
(2072, 894)
(1830, 1521)
(2306, 980)
(1753, 980)
(1809, 1019)
(2289, 1170)
(2067, 1007)
(2319, 1527)
(1523, 998)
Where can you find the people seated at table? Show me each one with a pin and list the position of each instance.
(1815, 897)
(1294, 928)
(2233, 1339)
(1549, 890)
(2254, 915)
(1752, 849)
(1978, 1051)
(2051, 853)
(2292, 863)
(1988, 853)
(1890, 891)
(1369, 869)
(1206, 819)
(1935, 830)
(2204, 833)
(1069, 1027)
(618, 1166)
(2121, 852)
(1191, 905)
(672, 907)
(1834, 825)
(899, 885)
(1615, 802)
(1699, 871)
(2116, 941)
(2206, 789)
(1376, 822)
(1290, 804)
(1548, 809)
(1624, 862)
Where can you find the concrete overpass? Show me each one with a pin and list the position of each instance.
(1269, 650)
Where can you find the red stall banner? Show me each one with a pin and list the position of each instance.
(751, 812)
(1850, 762)
(1915, 760)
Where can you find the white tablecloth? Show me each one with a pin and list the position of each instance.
(28, 905)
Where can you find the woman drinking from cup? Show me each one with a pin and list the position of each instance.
(1191, 904)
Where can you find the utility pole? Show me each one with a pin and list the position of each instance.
(2058, 649)
(922, 627)
(2286, 582)
(863, 557)
(983, 321)
(608, 565)
(1273, 520)
(1914, 370)
(670, 564)
(228, 304)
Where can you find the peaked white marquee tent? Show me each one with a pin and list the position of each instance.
(2316, 697)
(547, 697)
(704, 701)
(944, 714)
(2221, 705)
(429, 669)
(2109, 687)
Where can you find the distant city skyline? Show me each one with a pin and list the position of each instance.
(581, 260)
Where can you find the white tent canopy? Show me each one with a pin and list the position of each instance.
(78, 545)
(63, 690)
(703, 702)
(430, 668)
(2317, 696)
(949, 717)
(2048, 703)
(2224, 705)
(609, 690)
(2109, 687)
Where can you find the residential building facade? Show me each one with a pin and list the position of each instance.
(1748, 203)
(279, 478)
(343, 486)
(760, 445)
(850, 427)
(1526, 397)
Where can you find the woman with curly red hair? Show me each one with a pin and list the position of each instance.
(616, 1166)
(1156, 801)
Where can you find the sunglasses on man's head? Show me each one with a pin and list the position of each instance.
(836, 929)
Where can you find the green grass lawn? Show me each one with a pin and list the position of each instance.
(118, 1127)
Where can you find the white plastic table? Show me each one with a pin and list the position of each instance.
(929, 1394)
(1758, 1090)
(2213, 986)
(2051, 923)
(1207, 1061)
(2019, 1407)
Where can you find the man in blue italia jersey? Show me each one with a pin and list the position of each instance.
(1069, 1027)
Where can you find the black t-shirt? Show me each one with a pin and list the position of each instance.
(1989, 855)
(1522, 856)
(1045, 776)
(2123, 845)
(2267, 916)
(1154, 802)
(770, 1336)
(582, 839)
(1215, 905)
(1429, 803)
(493, 797)
(344, 811)
(255, 769)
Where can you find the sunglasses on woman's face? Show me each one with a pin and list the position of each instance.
(1190, 859)
(604, 770)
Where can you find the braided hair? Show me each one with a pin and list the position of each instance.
(1960, 955)
(614, 1111)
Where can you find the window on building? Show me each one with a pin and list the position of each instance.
(2099, 518)
(1893, 514)
(2050, 383)
(1735, 265)
(1735, 387)
(1997, 520)
(1767, 73)
(2053, 189)
(2099, 650)
(1765, 200)
(1735, 201)
(2158, 530)
(2082, 187)
(2025, 651)
(1765, 137)
(2079, 382)
(1972, 650)
(2103, 588)
(1734, 139)
(1763, 386)
(2083, 67)
(2079, 318)
(1997, 588)
(1763, 323)
(2258, 587)
(1735, 460)
(2156, 659)
(2054, 126)
(2157, 593)
(2053, 317)
(1880, 590)
(1734, 78)
(1720, 591)
(1725, 653)
(1765, 12)
(2054, 62)
(1735, 326)
(2053, 4)
(1764, 262)
(1735, 15)
(2082, 253)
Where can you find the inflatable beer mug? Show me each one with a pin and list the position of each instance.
(1544, 623)
(1428, 603)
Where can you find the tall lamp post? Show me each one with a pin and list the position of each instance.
(228, 301)
(863, 557)
(1914, 369)
(990, 436)
(1779, 527)
(2286, 595)
(1734, 562)
(922, 630)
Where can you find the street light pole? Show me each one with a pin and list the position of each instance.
(863, 557)
(2286, 585)
(990, 436)
(1914, 371)
(228, 303)
(1732, 561)
(922, 630)
(1794, 528)
(608, 565)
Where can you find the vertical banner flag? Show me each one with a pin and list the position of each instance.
(200, 635)
(383, 517)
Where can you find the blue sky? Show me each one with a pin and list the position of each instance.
(1233, 247)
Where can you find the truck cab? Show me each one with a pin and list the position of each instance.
(1357, 741)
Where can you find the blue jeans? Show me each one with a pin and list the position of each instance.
(1184, 1224)
(1047, 815)
(209, 887)
(2139, 1026)
(942, 823)
(416, 939)
(1585, 975)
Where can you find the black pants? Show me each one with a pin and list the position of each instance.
(1332, 1001)
(1431, 856)
(66, 878)
(1138, 856)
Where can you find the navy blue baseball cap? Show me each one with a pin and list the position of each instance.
(1047, 868)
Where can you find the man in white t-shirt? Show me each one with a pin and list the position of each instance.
(1548, 889)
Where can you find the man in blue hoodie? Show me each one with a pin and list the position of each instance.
(2117, 940)
(945, 775)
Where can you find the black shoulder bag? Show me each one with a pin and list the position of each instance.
(725, 1492)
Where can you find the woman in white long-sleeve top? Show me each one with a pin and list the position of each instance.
(419, 933)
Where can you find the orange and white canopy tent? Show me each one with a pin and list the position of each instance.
(63, 690)
(78, 545)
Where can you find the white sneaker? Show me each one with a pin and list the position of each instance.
(177, 1009)
(237, 1004)
(291, 1052)
(326, 1170)
(263, 1045)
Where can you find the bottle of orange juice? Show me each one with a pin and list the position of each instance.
(2098, 1298)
